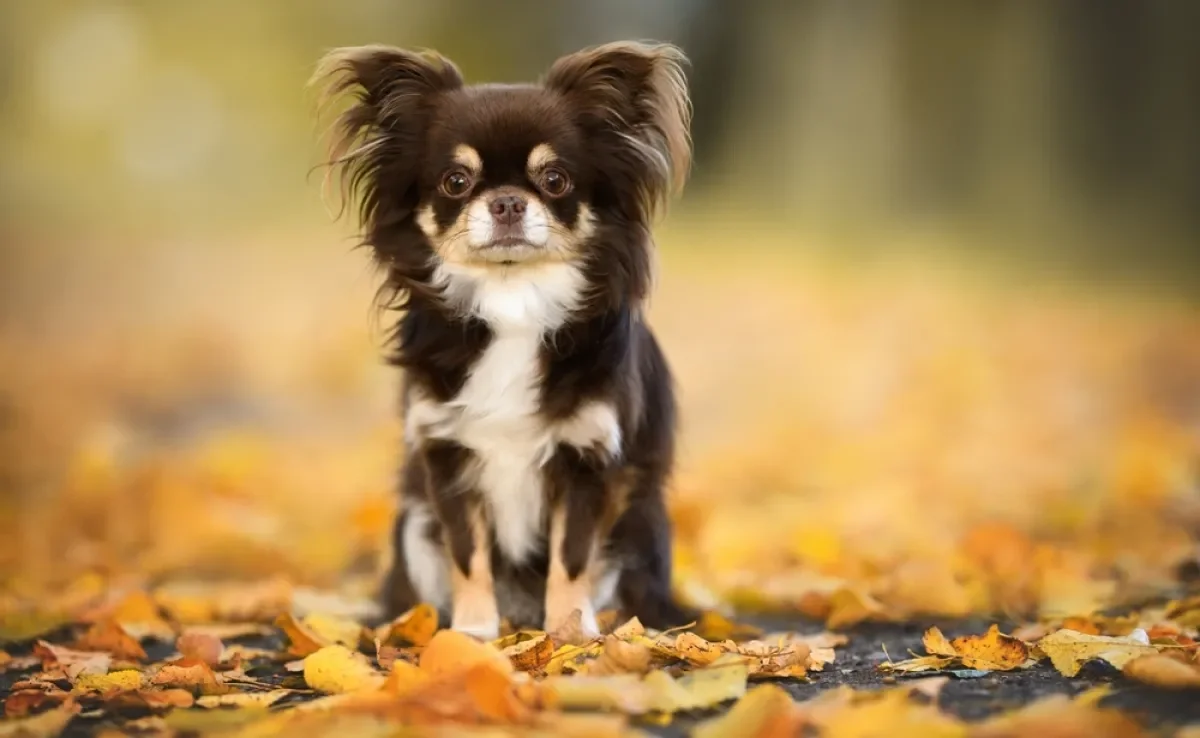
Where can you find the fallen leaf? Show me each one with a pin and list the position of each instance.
(849, 606)
(415, 627)
(302, 641)
(156, 701)
(336, 670)
(655, 692)
(993, 650)
(620, 657)
(929, 687)
(768, 660)
(120, 681)
(201, 646)
(937, 644)
(1160, 670)
(630, 629)
(767, 711)
(138, 615)
(73, 663)
(713, 626)
(45, 725)
(865, 716)
(1068, 650)
(405, 678)
(243, 699)
(22, 702)
(527, 650)
(108, 636)
(450, 652)
(1059, 717)
(191, 674)
(724, 680)
(491, 690)
(571, 631)
(919, 664)
(330, 629)
(697, 650)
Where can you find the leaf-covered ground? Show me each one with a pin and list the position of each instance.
(201, 494)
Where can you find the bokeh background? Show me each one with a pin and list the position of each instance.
(933, 295)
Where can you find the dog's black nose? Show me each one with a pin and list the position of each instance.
(507, 209)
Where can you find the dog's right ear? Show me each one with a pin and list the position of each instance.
(374, 142)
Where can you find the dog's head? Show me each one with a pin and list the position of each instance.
(511, 177)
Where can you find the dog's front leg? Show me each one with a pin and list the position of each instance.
(465, 532)
(577, 529)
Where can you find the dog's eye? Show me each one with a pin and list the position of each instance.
(554, 182)
(456, 184)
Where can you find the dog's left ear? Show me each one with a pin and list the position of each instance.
(633, 96)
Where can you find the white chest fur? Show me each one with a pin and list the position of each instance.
(495, 414)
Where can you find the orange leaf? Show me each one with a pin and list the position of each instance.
(452, 652)
(415, 627)
(108, 636)
(992, 650)
(200, 646)
(303, 641)
(191, 674)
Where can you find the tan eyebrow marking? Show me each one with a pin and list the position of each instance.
(541, 155)
(468, 157)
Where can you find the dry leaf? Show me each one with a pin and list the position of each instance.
(572, 632)
(73, 663)
(656, 692)
(405, 678)
(992, 651)
(929, 687)
(919, 664)
(902, 717)
(200, 646)
(22, 702)
(491, 690)
(138, 616)
(1160, 670)
(415, 627)
(330, 629)
(302, 641)
(336, 670)
(527, 650)
(1059, 717)
(243, 699)
(450, 652)
(191, 674)
(849, 606)
(108, 636)
(713, 626)
(120, 681)
(697, 650)
(936, 644)
(1068, 650)
(153, 700)
(767, 711)
(45, 725)
(630, 629)
(620, 657)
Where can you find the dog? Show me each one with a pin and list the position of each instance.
(513, 224)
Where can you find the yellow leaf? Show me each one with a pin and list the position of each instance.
(724, 680)
(336, 670)
(991, 651)
(1059, 716)
(696, 650)
(123, 680)
(766, 711)
(848, 606)
(138, 615)
(936, 644)
(920, 663)
(331, 629)
(1068, 650)
(1163, 671)
(415, 627)
(243, 699)
(632, 628)
(893, 714)
(713, 626)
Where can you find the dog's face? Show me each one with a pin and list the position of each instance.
(506, 180)
(501, 177)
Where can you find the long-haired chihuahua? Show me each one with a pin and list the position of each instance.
(514, 226)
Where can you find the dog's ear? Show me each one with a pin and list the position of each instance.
(634, 97)
(375, 142)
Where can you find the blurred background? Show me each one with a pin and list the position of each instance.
(932, 297)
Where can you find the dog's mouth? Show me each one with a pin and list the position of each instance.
(507, 250)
